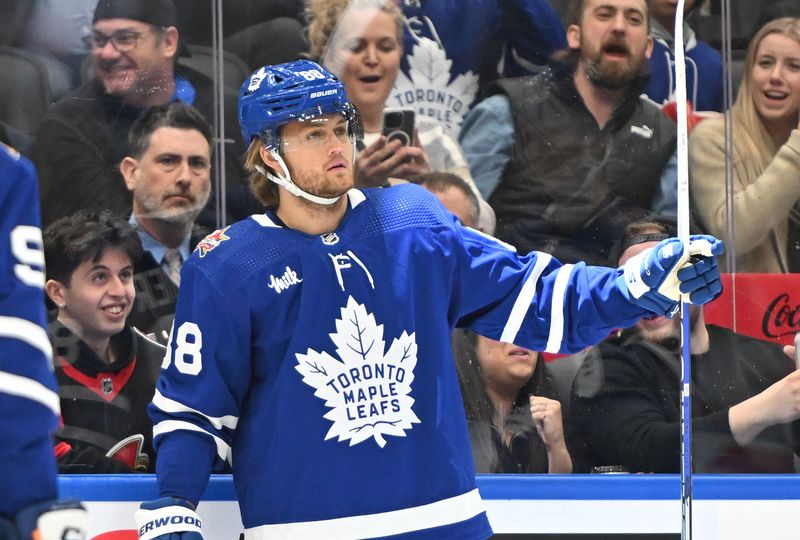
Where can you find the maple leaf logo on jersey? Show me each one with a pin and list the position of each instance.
(366, 390)
(429, 90)
(211, 241)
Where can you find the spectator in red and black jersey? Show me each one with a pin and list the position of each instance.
(105, 369)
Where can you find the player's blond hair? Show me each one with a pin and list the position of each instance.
(264, 189)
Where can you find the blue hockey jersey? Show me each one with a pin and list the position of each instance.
(29, 403)
(704, 74)
(322, 364)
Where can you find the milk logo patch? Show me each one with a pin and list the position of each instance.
(365, 386)
(280, 284)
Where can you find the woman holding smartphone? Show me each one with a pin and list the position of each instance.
(765, 160)
(361, 42)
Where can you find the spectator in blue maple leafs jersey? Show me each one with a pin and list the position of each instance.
(361, 43)
(446, 70)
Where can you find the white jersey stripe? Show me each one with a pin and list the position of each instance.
(437, 514)
(27, 332)
(24, 387)
(557, 309)
(264, 221)
(523, 302)
(356, 197)
(168, 426)
(173, 407)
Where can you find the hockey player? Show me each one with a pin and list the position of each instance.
(311, 343)
(29, 405)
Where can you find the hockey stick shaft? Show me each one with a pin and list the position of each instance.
(683, 234)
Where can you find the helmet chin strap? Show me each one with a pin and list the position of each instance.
(293, 188)
(290, 186)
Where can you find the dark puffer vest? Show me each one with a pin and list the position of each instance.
(571, 186)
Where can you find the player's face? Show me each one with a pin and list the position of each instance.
(775, 81)
(504, 365)
(172, 179)
(319, 155)
(100, 296)
(613, 41)
(365, 53)
(137, 70)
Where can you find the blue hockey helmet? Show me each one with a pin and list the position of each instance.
(282, 93)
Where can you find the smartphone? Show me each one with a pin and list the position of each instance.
(398, 124)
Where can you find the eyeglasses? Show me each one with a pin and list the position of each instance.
(122, 40)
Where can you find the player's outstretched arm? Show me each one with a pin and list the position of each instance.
(169, 518)
(52, 520)
(661, 277)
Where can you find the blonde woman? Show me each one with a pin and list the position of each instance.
(361, 42)
(765, 160)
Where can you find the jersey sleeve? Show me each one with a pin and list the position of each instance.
(535, 301)
(29, 403)
(205, 374)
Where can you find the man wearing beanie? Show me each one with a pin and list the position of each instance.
(78, 148)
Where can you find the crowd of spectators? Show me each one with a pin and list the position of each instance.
(545, 131)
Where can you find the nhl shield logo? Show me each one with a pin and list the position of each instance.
(106, 385)
(330, 239)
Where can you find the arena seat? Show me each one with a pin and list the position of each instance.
(25, 96)
(235, 70)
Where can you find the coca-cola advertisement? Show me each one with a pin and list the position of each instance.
(765, 306)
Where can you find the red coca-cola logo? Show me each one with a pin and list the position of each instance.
(781, 318)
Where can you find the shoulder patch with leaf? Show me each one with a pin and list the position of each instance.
(366, 386)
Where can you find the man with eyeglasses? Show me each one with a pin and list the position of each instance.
(77, 150)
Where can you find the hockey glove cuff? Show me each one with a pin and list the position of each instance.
(169, 518)
(659, 278)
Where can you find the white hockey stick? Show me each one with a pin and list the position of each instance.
(683, 234)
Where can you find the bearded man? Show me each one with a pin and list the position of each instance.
(571, 155)
(169, 175)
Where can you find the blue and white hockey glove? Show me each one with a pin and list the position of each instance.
(169, 518)
(661, 277)
(51, 520)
